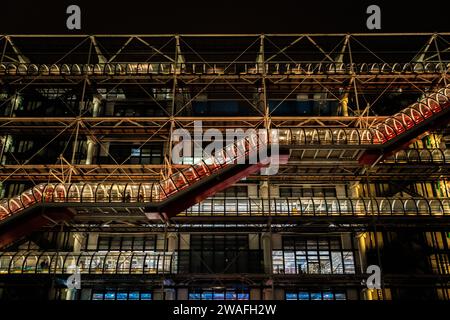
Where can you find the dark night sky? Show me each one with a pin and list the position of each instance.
(220, 16)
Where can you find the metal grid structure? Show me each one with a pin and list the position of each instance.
(137, 89)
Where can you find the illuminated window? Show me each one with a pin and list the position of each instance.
(122, 295)
(219, 294)
(316, 295)
(313, 256)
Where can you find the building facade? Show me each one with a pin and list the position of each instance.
(87, 123)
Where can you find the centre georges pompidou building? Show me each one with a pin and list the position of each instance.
(88, 184)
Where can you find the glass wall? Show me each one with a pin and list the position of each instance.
(220, 253)
(313, 256)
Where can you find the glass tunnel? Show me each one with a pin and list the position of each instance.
(428, 107)
(134, 192)
(104, 262)
(232, 68)
(435, 156)
(338, 207)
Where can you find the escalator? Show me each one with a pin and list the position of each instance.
(46, 203)
(400, 130)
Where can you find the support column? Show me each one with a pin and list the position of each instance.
(182, 294)
(71, 294)
(90, 144)
(266, 243)
(172, 242)
(255, 294)
(96, 103)
(169, 294)
(268, 293)
(79, 241)
(264, 190)
(344, 104)
(362, 248)
(354, 189)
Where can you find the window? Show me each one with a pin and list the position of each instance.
(319, 191)
(316, 295)
(25, 145)
(219, 294)
(15, 189)
(127, 243)
(233, 192)
(121, 295)
(220, 254)
(135, 154)
(313, 256)
(147, 155)
(440, 263)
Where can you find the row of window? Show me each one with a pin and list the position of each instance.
(434, 189)
(217, 294)
(125, 243)
(210, 294)
(121, 295)
(440, 263)
(296, 192)
(316, 295)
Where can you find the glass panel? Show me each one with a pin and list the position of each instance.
(190, 174)
(336, 260)
(179, 180)
(168, 186)
(291, 296)
(97, 296)
(133, 295)
(289, 261)
(146, 296)
(122, 296)
(60, 193)
(27, 198)
(110, 296)
(74, 192)
(303, 296)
